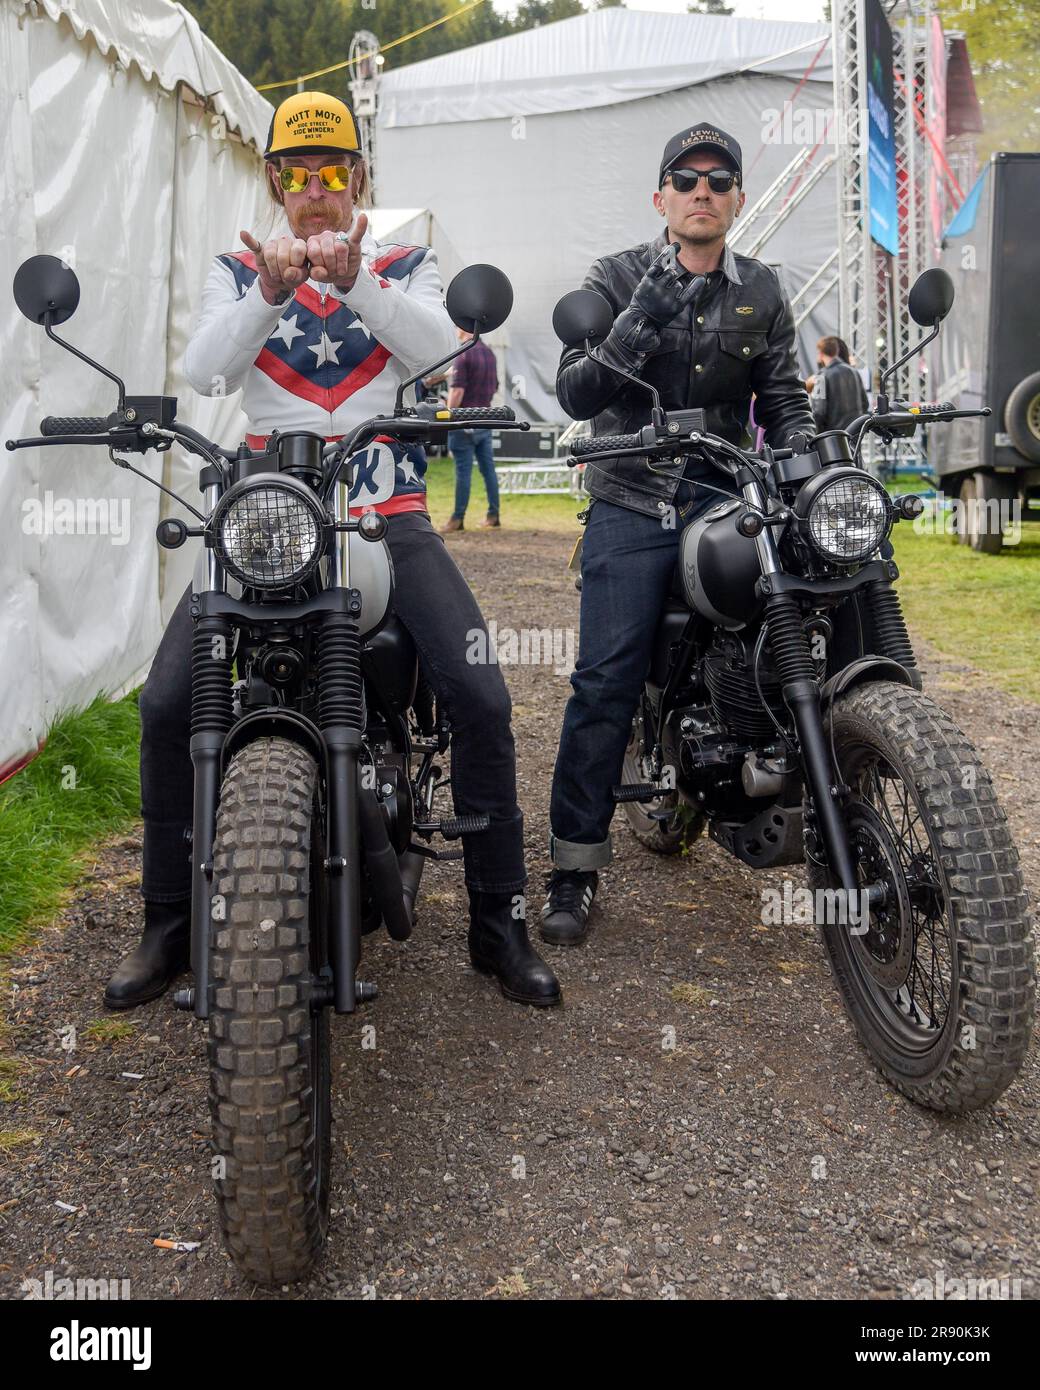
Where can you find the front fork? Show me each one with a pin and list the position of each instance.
(341, 718)
(801, 691)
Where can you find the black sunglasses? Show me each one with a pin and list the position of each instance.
(686, 180)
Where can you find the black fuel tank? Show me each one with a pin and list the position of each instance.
(720, 567)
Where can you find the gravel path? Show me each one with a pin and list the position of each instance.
(486, 1150)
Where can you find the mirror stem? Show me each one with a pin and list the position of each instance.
(882, 399)
(657, 415)
(84, 358)
(425, 371)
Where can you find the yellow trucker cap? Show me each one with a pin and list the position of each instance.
(309, 122)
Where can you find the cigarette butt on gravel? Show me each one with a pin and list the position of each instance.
(183, 1247)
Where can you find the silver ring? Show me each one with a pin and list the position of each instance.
(342, 236)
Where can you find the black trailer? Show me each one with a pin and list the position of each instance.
(989, 352)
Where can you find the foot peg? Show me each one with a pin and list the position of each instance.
(639, 791)
(463, 825)
(455, 826)
(184, 999)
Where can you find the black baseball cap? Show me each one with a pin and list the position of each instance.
(700, 137)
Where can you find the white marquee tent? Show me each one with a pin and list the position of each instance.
(137, 147)
(539, 151)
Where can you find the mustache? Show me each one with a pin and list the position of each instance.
(330, 211)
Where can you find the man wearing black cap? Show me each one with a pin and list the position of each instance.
(708, 329)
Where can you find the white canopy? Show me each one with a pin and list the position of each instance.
(595, 59)
(539, 153)
(137, 148)
(165, 42)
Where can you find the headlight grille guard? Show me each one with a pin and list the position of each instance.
(305, 527)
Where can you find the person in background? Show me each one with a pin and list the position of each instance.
(473, 381)
(836, 391)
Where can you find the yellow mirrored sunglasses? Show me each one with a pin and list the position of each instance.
(294, 178)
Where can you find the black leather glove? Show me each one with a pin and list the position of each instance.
(656, 300)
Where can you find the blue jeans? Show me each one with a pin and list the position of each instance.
(463, 444)
(627, 562)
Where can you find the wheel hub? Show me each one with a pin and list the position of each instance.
(886, 949)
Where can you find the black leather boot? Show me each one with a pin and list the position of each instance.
(498, 946)
(162, 953)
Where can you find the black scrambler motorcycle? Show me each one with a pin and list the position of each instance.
(316, 744)
(783, 711)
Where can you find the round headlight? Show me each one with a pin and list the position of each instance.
(848, 517)
(269, 531)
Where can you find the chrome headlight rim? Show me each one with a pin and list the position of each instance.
(300, 494)
(812, 493)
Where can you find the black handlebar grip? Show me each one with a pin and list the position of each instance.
(482, 412)
(73, 424)
(605, 444)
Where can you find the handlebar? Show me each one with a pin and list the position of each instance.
(73, 424)
(607, 444)
(901, 419)
(449, 414)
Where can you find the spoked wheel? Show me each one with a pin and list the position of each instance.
(269, 1040)
(937, 971)
(667, 824)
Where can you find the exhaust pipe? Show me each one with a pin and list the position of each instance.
(383, 867)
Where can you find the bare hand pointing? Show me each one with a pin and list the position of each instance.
(281, 264)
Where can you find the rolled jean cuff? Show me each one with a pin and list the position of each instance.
(568, 854)
(165, 861)
(495, 886)
(495, 857)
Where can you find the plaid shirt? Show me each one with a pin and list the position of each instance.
(475, 371)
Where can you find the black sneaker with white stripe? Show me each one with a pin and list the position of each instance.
(565, 916)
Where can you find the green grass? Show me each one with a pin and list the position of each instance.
(546, 512)
(108, 1030)
(981, 609)
(82, 786)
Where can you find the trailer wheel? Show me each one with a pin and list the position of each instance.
(966, 497)
(1022, 417)
(981, 522)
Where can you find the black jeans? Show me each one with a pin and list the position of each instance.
(435, 604)
(627, 562)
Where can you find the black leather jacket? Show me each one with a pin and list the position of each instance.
(838, 396)
(735, 339)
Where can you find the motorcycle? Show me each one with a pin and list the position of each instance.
(316, 744)
(783, 712)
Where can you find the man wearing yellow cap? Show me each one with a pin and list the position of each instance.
(317, 326)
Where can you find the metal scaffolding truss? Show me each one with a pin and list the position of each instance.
(873, 286)
(364, 62)
(779, 200)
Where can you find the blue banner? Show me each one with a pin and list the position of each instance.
(881, 129)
